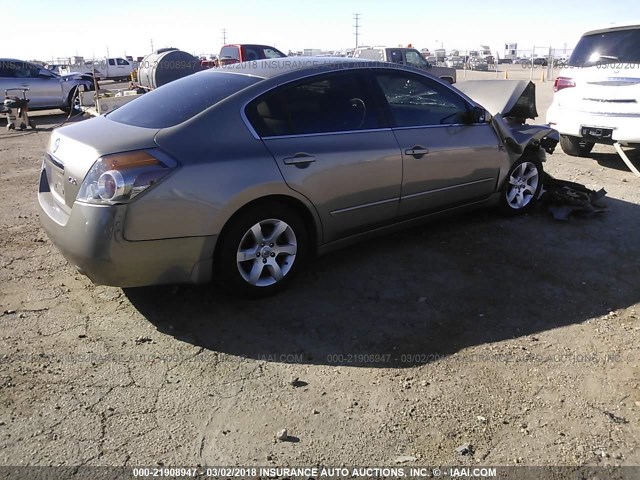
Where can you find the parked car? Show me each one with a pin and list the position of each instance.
(115, 68)
(455, 62)
(561, 61)
(240, 173)
(542, 61)
(236, 53)
(478, 63)
(405, 56)
(597, 96)
(47, 90)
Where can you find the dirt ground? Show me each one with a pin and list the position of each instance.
(517, 336)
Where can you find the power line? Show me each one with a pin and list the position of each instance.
(356, 17)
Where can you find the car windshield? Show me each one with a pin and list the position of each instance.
(181, 100)
(606, 47)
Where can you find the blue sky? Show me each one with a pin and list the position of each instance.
(65, 27)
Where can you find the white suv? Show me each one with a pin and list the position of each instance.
(597, 94)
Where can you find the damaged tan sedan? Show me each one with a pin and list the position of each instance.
(239, 174)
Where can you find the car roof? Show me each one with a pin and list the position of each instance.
(614, 27)
(273, 67)
(247, 45)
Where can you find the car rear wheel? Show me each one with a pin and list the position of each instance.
(575, 146)
(261, 250)
(522, 187)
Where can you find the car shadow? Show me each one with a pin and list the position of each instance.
(415, 296)
(613, 161)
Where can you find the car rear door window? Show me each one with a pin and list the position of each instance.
(417, 101)
(6, 70)
(331, 103)
(23, 70)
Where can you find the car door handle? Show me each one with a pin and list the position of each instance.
(301, 159)
(417, 151)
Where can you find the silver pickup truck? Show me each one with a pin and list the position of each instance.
(405, 56)
(47, 89)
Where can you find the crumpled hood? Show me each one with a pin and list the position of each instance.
(511, 103)
(508, 98)
(75, 76)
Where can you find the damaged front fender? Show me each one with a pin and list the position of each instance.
(518, 138)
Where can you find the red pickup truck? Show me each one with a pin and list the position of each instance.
(235, 53)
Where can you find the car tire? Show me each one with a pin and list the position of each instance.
(71, 105)
(575, 146)
(522, 186)
(261, 249)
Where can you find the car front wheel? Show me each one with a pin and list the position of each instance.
(73, 102)
(575, 146)
(261, 250)
(522, 187)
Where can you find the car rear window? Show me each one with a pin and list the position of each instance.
(181, 100)
(230, 52)
(607, 47)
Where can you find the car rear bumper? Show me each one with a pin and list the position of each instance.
(570, 122)
(90, 238)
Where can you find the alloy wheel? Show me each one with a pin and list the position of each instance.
(523, 184)
(267, 252)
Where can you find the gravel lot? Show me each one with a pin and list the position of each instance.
(517, 336)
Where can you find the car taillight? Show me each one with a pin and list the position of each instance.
(563, 82)
(120, 177)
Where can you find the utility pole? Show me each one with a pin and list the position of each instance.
(356, 17)
(224, 36)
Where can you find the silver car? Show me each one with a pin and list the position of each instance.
(46, 89)
(239, 174)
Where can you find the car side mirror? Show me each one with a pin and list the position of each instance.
(480, 114)
(474, 115)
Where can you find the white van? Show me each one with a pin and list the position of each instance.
(597, 94)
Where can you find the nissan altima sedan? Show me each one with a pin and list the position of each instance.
(43, 88)
(239, 174)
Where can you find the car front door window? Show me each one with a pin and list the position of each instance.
(415, 60)
(415, 101)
